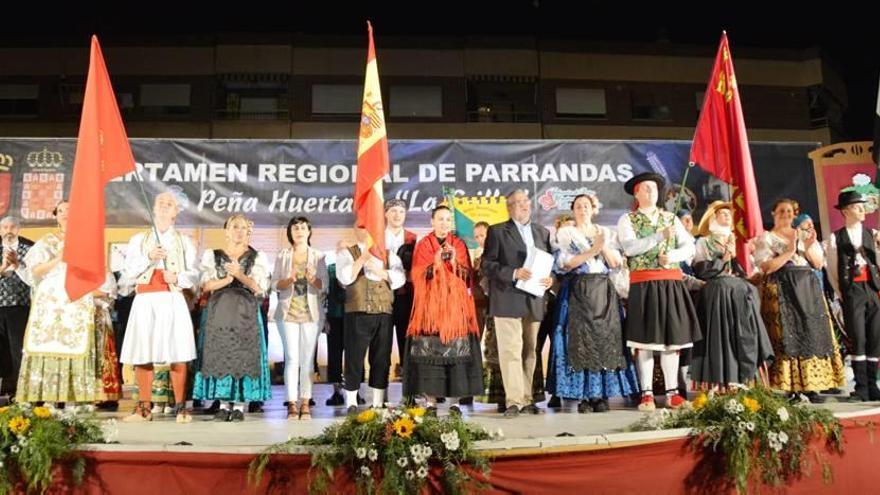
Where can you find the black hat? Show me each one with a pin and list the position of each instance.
(846, 198)
(630, 185)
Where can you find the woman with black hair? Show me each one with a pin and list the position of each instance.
(301, 279)
(232, 366)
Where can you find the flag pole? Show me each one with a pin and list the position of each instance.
(681, 187)
(137, 176)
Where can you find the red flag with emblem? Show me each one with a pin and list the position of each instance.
(721, 148)
(372, 162)
(102, 153)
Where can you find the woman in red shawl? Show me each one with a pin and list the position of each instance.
(443, 357)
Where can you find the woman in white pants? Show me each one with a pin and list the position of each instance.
(301, 281)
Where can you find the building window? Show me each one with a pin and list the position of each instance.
(19, 100)
(496, 100)
(253, 97)
(580, 103)
(415, 101)
(337, 99)
(647, 105)
(163, 99)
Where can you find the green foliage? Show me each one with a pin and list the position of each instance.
(761, 437)
(33, 441)
(390, 451)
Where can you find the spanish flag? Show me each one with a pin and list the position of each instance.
(372, 163)
(102, 153)
(721, 148)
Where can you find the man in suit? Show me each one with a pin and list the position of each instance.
(517, 314)
(15, 301)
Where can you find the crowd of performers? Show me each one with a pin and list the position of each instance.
(621, 299)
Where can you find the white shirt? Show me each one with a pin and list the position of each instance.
(345, 263)
(393, 241)
(632, 245)
(137, 262)
(19, 268)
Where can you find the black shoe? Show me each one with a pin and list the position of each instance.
(236, 416)
(832, 391)
(213, 408)
(873, 390)
(441, 400)
(554, 401)
(335, 400)
(466, 401)
(583, 406)
(599, 405)
(361, 400)
(455, 411)
(815, 398)
(431, 411)
(502, 408)
(197, 403)
(221, 415)
(532, 409)
(255, 407)
(109, 405)
(311, 402)
(352, 410)
(511, 412)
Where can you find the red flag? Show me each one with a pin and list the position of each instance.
(372, 164)
(721, 148)
(102, 153)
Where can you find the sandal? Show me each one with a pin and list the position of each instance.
(292, 411)
(304, 411)
(140, 414)
(182, 413)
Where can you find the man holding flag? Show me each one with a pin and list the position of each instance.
(721, 148)
(369, 272)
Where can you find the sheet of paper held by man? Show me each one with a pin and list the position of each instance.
(540, 263)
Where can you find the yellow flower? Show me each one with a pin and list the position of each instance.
(42, 412)
(416, 412)
(366, 416)
(404, 427)
(4, 409)
(701, 401)
(19, 425)
(751, 404)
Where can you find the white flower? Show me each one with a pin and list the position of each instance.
(410, 475)
(385, 414)
(782, 412)
(415, 450)
(110, 430)
(426, 450)
(861, 180)
(418, 420)
(23, 441)
(402, 462)
(422, 472)
(360, 452)
(365, 471)
(750, 426)
(783, 437)
(499, 433)
(373, 455)
(14, 449)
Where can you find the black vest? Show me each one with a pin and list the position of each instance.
(846, 259)
(13, 291)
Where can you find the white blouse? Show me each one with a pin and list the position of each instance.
(260, 272)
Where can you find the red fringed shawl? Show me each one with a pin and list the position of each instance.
(443, 304)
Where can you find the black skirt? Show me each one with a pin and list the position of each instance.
(735, 344)
(593, 326)
(446, 374)
(660, 313)
(805, 320)
(232, 335)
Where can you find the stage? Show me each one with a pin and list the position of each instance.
(558, 450)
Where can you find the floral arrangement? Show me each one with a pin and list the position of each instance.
(390, 451)
(762, 437)
(35, 440)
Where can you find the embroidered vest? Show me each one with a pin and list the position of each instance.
(649, 260)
